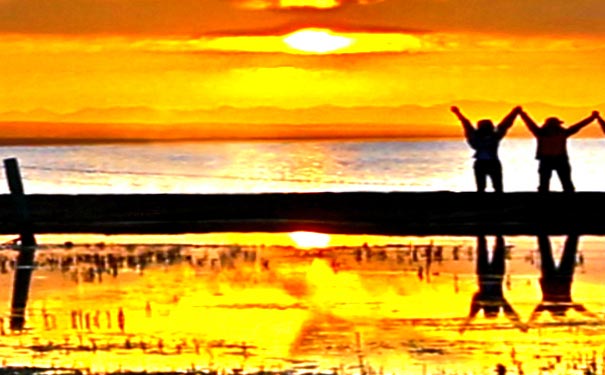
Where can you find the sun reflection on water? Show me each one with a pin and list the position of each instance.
(310, 239)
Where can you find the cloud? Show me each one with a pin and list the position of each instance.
(273, 42)
(551, 17)
(300, 4)
(151, 17)
(202, 17)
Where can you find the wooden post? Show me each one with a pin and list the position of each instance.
(25, 259)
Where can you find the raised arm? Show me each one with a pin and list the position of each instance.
(581, 309)
(466, 123)
(531, 125)
(535, 314)
(514, 318)
(601, 123)
(508, 121)
(475, 308)
(577, 127)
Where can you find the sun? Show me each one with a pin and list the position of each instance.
(310, 239)
(316, 41)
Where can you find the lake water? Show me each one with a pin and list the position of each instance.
(250, 304)
(297, 166)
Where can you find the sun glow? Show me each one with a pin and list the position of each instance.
(321, 4)
(310, 239)
(317, 41)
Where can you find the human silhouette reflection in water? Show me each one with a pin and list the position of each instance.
(556, 281)
(490, 276)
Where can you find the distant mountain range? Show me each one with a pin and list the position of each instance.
(145, 124)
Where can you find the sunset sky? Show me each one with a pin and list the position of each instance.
(66, 56)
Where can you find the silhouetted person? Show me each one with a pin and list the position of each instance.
(485, 140)
(490, 297)
(552, 148)
(556, 281)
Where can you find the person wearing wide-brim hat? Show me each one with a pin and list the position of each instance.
(552, 148)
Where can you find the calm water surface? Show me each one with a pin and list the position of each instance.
(287, 166)
(278, 308)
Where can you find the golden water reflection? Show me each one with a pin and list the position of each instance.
(350, 309)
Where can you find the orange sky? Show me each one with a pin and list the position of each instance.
(64, 56)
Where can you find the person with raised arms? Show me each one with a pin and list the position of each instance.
(551, 149)
(485, 140)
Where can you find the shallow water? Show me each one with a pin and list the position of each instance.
(278, 308)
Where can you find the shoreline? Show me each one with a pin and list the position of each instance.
(71, 141)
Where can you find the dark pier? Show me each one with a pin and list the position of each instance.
(394, 213)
